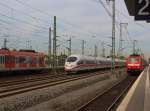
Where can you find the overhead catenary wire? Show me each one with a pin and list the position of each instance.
(121, 13)
(127, 17)
(88, 32)
(24, 13)
(17, 30)
(45, 13)
(108, 12)
(22, 21)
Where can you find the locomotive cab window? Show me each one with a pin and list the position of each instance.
(71, 59)
(133, 60)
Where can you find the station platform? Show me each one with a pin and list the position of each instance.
(138, 97)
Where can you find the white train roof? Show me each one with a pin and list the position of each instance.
(88, 57)
(83, 57)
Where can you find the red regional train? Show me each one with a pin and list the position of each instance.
(21, 60)
(135, 64)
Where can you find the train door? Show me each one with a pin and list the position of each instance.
(38, 61)
(17, 62)
(41, 61)
(7, 62)
(28, 61)
(2, 65)
(12, 61)
(33, 61)
(22, 63)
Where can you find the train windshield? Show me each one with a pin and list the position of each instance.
(71, 59)
(134, 60)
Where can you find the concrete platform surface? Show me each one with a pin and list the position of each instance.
(138, 97)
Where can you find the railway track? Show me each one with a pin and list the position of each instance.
(15, 87)
(109, 99)
(12, 78)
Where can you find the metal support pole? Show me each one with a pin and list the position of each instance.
(95, 51)
(5, 43)
(83, 42)
(50, 48)
(120, 39)
(113, 38)
(103, 50)
(54, 47)
(29, 44)
(134, 45)
(69, 46)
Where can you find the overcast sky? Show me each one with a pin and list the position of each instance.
(26, 23)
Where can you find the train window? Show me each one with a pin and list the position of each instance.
(29, 59)
(100, 62)
(41, 59)
(17, 59)
(90, 62)
(34, 61)
(1, 60)
(12, 58)
(21, 59)
(7, 58)
(71, 59)
(80, 62)
(87, 62)
(38, 60)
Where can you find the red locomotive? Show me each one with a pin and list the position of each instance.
(21, 60)
(135, 63)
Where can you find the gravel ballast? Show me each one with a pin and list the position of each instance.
(63, 97)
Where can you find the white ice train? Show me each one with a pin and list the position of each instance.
(76, 63)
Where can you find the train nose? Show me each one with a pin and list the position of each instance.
(68, 65)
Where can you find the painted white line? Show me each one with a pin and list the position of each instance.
(147, 92)
(126, 100)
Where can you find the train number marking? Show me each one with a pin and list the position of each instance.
(141, 11)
